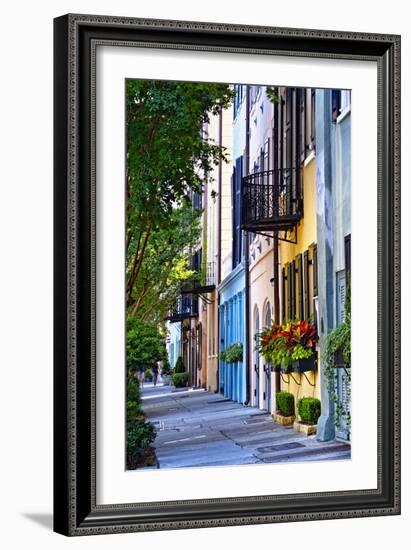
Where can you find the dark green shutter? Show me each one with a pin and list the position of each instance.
(315, 271)
(289, 293)
(306, 284)
(283, 310)
(300, 287)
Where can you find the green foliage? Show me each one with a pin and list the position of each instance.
(139, 433)
(285, 403)
(133, 404)
(232, 353)
(337, 353)
(309, 409)
(148, 374)
(179, 368)
(166, 368)
(166, 156)
(139, 436)
(272, 94)
(179, 379)
(145, 344)
(282, 344)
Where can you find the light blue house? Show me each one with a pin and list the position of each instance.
(174, 342)
(232, 376)
(333, 151)
(232, 379)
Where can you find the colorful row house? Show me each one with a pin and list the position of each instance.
(275, 244)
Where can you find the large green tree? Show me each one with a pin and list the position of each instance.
(167, 156)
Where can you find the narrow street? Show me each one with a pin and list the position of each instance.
(199, 428)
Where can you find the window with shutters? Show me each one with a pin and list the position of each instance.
(347, 258)
(307, 283)
(283, 294)
(300, 283)
(312, 145)
(340, 102)
(236, 205)
(340, 295)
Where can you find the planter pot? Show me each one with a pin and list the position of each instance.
(339, 361)
(304, 365)
(283, 420)
(306, 429)
(166, 379)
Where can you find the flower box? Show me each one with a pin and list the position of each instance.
(304, 365)
(301, 365)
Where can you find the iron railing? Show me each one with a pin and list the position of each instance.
(271, 200)
(202, 281)
(185, 307)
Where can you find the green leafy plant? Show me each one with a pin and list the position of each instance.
(148, 374)
(233, 353)
(179, 379)
(139, 437)
(145, 344)
(179, 368)
(166, 368)
(337, 353)
(285, 403)
(309, 409)
(166, 156)
(282, 344)
(139, 433)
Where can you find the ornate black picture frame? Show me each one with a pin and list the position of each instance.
(75, 508)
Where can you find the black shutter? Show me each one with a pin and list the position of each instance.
(293, 291)
(313, 117)
(288, 128)
(306, 285)
(301, 116)
(283, 310)
(335, 104)
(300, 287)
(233, 181)
(237, 240)
(347, 253)
(315, 271)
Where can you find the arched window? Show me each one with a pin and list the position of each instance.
(267, 315)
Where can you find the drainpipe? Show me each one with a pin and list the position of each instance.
(218, 274)
(246, 259)
(275, 233)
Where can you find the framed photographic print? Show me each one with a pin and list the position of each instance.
(227, 275)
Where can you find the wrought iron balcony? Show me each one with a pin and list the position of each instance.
(271, 200)
(185, 307)
(202, 282)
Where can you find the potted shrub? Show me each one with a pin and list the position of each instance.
(285, 408)
(179, 367)
(309, 411)
(179, 379)
(166, 372)
(291, 346)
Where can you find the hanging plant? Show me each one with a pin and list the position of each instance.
(284, 344)
(337, 354)
(233, 353)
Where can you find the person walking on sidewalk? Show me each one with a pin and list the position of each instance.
(141, 375)
(155, 374)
